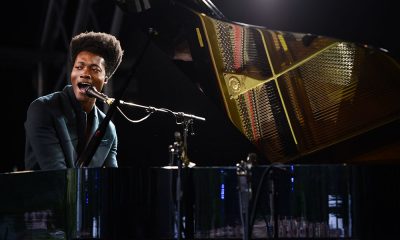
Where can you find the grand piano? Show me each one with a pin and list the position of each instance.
(322, 114)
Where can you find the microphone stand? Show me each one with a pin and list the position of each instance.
(183, 160)
(179, 150)
(178, 147)
(187, 120)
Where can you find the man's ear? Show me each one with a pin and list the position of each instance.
(106, 80)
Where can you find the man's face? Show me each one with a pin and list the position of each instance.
(88, 69)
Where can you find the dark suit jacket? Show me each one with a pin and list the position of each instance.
(55, 133)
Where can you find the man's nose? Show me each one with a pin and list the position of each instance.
(85, 76)
(85, 73)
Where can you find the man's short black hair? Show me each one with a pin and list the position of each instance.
(103, 44)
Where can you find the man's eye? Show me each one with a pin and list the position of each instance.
(96, 69)
(79, 67)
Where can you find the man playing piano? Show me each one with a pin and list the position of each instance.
(59, 125)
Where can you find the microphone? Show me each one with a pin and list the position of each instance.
(92, 92)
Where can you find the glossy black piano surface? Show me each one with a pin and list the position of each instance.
(71, 204)
(309, 201)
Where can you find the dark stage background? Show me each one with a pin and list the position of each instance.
(33, 48)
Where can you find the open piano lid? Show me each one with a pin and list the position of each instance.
(293, 94)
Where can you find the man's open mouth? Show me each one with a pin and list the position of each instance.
(83, 86)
